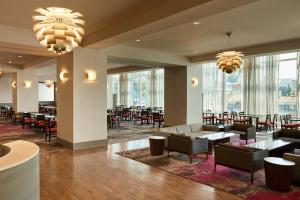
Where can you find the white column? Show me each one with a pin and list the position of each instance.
(81, 104)
(194, 94)
(27, 97)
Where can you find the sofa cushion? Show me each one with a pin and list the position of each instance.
(196, 127)
(169, 129)
(183, 129)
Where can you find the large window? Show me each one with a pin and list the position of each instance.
(141, 88)
(288, 83)
(138, 88)
(221, 92)
(233, 91)
(212, 88)
(266, 84)
(116, 87)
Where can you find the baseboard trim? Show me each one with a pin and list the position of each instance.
(82, 145)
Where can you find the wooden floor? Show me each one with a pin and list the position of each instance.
(99, 173)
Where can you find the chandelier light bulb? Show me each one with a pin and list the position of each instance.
(49, 83)
(58, 29)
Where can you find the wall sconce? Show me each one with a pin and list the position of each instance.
(63, 75)
(90, 76)
(49, 83)
(27, 84)
(195, 82)
(14, 84)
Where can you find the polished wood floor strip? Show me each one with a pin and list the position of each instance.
(99, 173)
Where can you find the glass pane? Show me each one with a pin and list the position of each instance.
(212, 83)
(288, 55)
(287, 87)
(233, 91)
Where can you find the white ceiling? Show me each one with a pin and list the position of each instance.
(261, 22)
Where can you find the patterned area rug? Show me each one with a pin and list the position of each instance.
(9, 133)
(226, 179)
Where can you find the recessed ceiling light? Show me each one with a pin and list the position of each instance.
(20, 56)
(196, 22)
(10, 62)
(138, 40)
(195, 52)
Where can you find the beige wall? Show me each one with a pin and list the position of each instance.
(5, 89)
(194, 95)
(175, 96)
(27, 100)
(14, 77)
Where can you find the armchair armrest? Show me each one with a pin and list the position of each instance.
(251, 132)
(227, 128)
(276, 134)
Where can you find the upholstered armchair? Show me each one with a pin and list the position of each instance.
(187, 145)
(246, 131)
(295, 159)
(242, 158)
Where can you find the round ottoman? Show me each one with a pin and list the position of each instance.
(157, 145)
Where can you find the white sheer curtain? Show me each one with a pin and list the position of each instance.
(144, 88)
(123, 89)
(261, 84)
(298, 85)
(213, 87)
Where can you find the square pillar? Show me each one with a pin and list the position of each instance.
(81, 105)
(175, 95)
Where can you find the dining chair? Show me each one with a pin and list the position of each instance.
(265, 124)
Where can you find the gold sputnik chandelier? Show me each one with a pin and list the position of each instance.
(58, 29)
(229, 61)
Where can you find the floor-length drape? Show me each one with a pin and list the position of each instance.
(123, 89)
(260, 92)
(212, 83)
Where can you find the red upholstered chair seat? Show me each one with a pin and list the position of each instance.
(53, 130)
(27, 120)
(289, 125)
(41, 123)
(115, 119)
(263, 123)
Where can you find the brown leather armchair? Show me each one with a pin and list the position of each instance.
(187, 145)
(246, 131)
(242, 158)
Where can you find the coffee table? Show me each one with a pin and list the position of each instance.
(216, 138)
(276, 147)
(279, 173)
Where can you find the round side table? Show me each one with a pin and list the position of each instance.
(157, 145)
(278, 173)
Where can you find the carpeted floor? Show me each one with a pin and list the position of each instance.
(201, 170)
(129, 131)
(9, 133)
